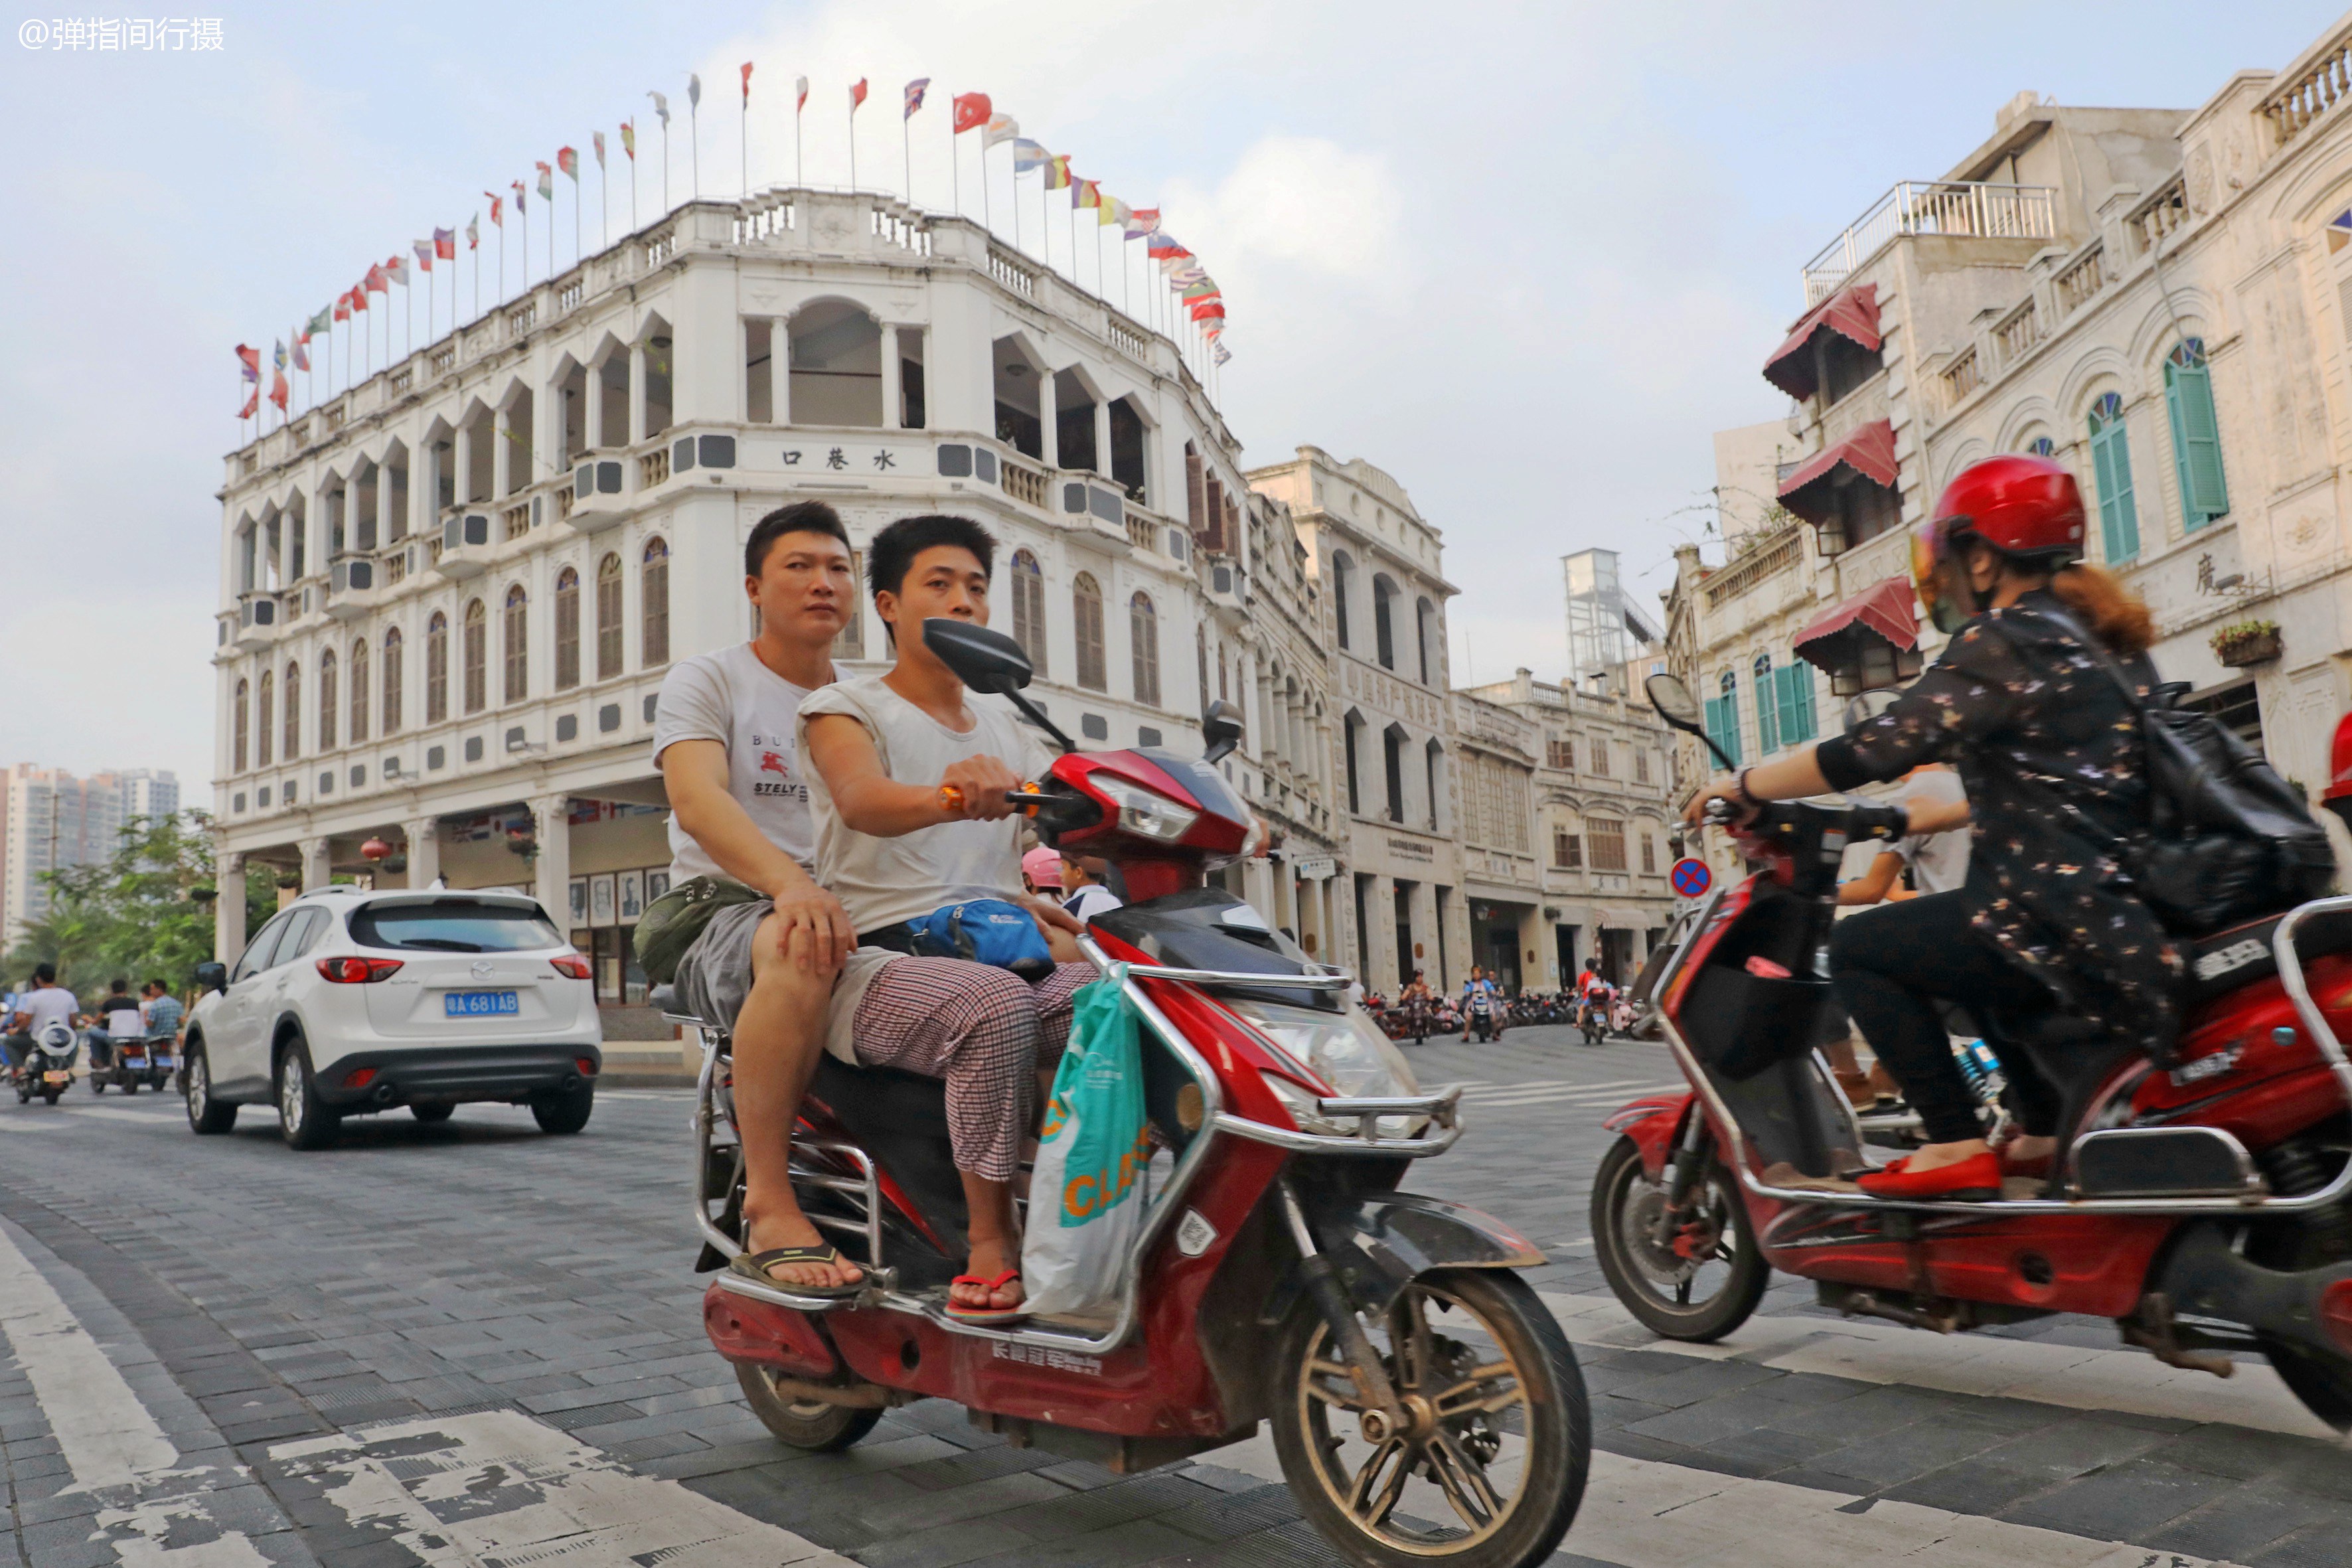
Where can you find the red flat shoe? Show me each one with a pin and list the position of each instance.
(1976, 1179)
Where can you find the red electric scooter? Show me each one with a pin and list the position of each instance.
(2205, 1206)
(1425, 1406)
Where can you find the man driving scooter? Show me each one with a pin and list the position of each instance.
(48, 1001)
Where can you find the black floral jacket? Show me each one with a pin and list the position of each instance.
(2050, 751)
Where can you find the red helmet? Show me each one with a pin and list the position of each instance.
(2026, 506)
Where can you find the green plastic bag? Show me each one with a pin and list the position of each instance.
(1086, 1206)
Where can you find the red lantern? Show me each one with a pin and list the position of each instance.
(374, 849)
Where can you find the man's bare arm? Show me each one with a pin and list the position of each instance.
(695, 773)
(870, 800)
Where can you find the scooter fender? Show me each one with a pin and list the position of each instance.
(744, 1329)
(1653, 1122)
(1380, 1242)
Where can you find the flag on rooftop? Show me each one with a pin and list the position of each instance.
(320, 322)
(1221, 354)
(252, 404)
(250, 358)
(800, 93)
(1085, 192)
(546, 182)
(694, 91)
(376, 283)
(629, 139)
(1142, 223)
(522, 203)
(343, 307)
(1163, 247)
(1000, 127)
(661, 107)
(915, 90)
(1028, 155)
(1184, 274)
(474, 232)
(302, 351)
(445, 244)
(398, 270)
(278, 355)
(1114, 211)
(747, 82)
(1209, 310)
(1057, 172)
(568, 160)
(598, 138)
(423, 255)
(971, 110)
(496, 216)
(360, 293)
(856, 94)
(279, 391)
(1206, 288)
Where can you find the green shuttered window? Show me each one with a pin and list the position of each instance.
(2111, 469)
(2196, 434)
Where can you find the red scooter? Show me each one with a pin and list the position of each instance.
(1425, 1406)
(2205, 1206)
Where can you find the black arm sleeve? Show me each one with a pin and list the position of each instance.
(1967, 694)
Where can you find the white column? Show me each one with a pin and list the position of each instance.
(1102, 437)
(501, 452)
(637, 393)
(229, 909)
(424, 850)
(779, 371)
(315, 868)
(890, 420)
(551, 814)
(1049, 440)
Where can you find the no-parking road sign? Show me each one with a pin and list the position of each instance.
(1691, 877)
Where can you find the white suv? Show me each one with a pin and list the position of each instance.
(351, 1002)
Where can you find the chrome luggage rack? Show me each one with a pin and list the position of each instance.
(1440, 1110)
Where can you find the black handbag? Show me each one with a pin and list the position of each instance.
(2231, 839)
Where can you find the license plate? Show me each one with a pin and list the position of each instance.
(56, 1078)
(480, 1004)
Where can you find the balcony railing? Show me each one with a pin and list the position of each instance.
(1021, 279)
(1955, 207)
(2294, 106)
(2083, 278)
(1025, 485)
(2018, 331)
(1962, 376)
(1768, 558)
(2157, 216)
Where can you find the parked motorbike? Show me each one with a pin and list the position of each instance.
(48, 1068)
(2204, 1205)
(1425, 1406)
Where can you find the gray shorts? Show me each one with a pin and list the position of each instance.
(714, 977)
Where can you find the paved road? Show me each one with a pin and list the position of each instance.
(475, 1345)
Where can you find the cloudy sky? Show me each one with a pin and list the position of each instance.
(1525, 257)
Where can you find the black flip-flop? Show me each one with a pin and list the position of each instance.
(755, 1266)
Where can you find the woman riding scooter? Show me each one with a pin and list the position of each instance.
(2024, 700)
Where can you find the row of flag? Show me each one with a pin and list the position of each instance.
(1192, 290)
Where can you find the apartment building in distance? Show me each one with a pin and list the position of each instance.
(2160, 298)
(50, 820)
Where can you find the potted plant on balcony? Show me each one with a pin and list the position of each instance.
(2247, 643)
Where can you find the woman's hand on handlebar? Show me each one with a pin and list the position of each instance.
(1727, 790)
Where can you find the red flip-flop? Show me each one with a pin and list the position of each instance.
(987, 1316)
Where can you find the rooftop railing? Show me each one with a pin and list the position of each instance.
(1951, 207)
(2302, 99)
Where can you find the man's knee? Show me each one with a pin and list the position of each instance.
(774, 972)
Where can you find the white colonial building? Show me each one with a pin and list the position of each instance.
(2159, 299)
(450, 596)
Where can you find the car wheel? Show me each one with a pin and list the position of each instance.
(304, 1120)
(205, 1114)
(563, 1110)
(432, 1115)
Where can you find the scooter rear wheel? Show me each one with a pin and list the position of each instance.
(808, 1424)
(1490, 1468)
(1698, 1297)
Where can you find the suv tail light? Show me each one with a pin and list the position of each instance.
(357, 971)
(570, 964)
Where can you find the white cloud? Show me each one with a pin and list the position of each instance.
(1301, 202)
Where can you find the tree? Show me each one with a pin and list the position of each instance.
(134, 915)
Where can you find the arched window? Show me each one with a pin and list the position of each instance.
(1384, 592)
(1351, 728)
(241, 720)
(358, 690)
(1722, 716)
(608, 617)
(1424, 618)
(2111, 472)
(1029, 608)
(1143, 638)
(2196, 434)
(392, 681)
(567, 629)
(518, 641)
(293, 744)
(475, 656)
(437, 669)
(2041, 447)
(1087, 616)
(834, 352)
(1767, 717)
(1434, 762)
(653, 608)
(261, 721)
(1392, 760)
(327, 700)
(1342, 571)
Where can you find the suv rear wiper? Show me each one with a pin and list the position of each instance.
(442, 944)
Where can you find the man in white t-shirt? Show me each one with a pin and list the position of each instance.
(725, 740)
(909, 773)
(45, 1003)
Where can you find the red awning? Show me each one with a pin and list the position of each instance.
(1850, 312)
(1868, 451)
(1889, 609)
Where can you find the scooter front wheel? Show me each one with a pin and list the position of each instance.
(809, 1424)
(1697, 1285)
(1486, 1468)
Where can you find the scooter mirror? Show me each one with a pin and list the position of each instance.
(1221, 727)
(984, 660)
(1674, 702)
(212, 976)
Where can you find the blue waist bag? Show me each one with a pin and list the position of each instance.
(985, 931)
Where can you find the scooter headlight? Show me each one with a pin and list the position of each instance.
(1345, 1049)
(1146, 811)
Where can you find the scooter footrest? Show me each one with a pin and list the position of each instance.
(2164, 1163)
